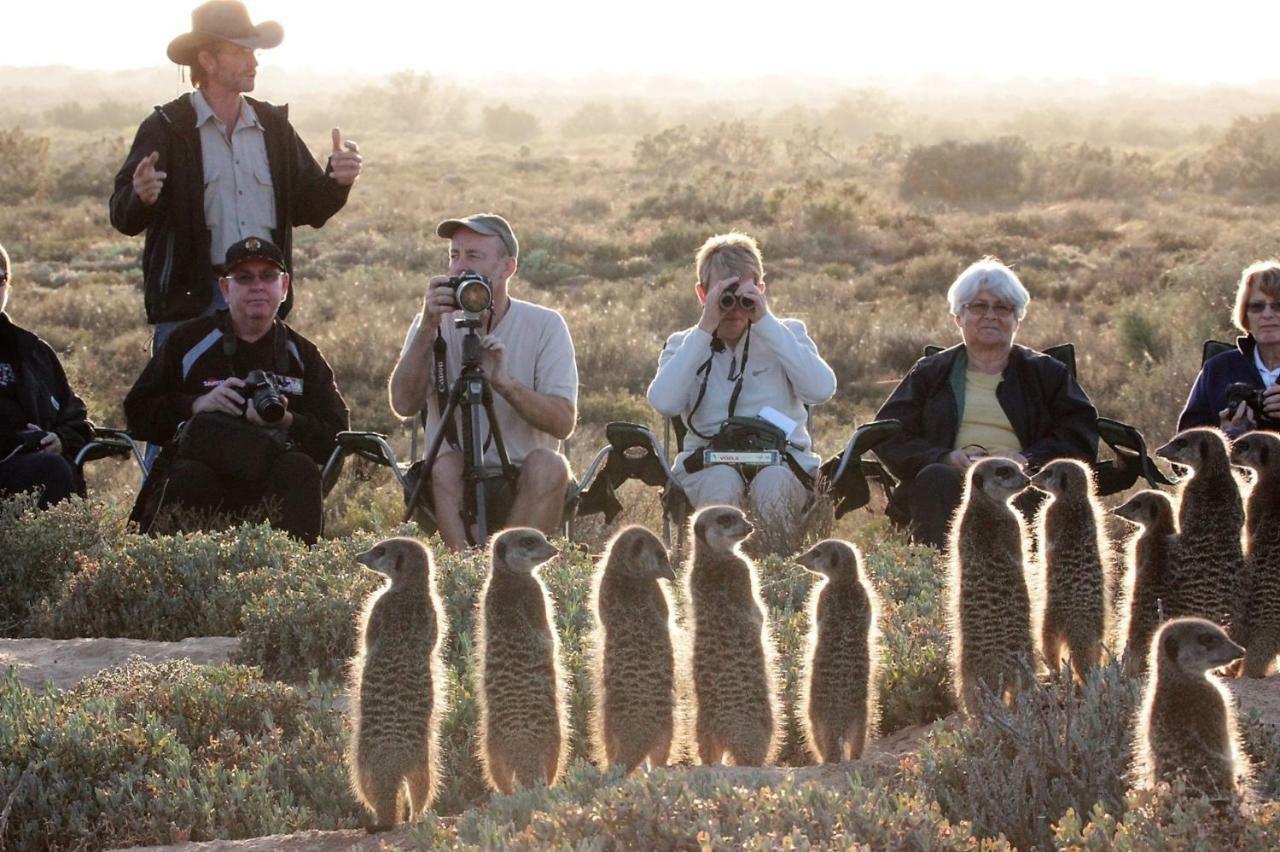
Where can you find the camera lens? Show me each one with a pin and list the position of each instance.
(473, 296)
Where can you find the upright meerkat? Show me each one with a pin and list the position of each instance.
(1187, 725)
(523, 724)
(1210, 568)
(733, 659)
(1260, 451)
(1150, 560)
(398, 685)
(634, 653)
(990, 608)
(840, 667)
(1076, 559)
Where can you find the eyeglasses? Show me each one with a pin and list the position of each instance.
(266, 276)
(1260, 307)
(979, 309)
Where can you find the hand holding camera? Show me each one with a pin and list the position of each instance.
(256, 397)
(1251, 408)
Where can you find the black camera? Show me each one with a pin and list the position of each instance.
(472, 292)
(729, 298)
(263, 391)
(1238, 392)
(29, 440)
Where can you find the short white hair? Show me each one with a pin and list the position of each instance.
(994, 276)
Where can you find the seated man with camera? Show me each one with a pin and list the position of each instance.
(524, 353)
(43, 424)
(246, 408)
(740, 380)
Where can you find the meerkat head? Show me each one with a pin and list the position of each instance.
(1063, 477)
(831, 558)
(998, 478)
(399, 558)
(1194, 449)
(1256, 450)
(1145, 508)
(521, 549)
(720, 528)
(1194, 646)
(635, 552)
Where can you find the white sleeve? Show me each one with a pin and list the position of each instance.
(556, 369)
(813, 379)
(671, 391)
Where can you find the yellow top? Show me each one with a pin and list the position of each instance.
(983, 421)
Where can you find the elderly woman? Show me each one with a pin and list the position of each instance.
(1255, 360)
(42, 423)
(984, 397)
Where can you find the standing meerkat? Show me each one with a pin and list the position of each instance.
(733, 658)
(1150, 561)
(1187, 725)
(1210, 568)
(398, 685)
(990, 608)
(1076, 559)
(840, 667)
(634, 654)
(523, 725)
(1260, 451)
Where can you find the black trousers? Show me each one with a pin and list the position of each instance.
(935, 494)
(51, 475)
(291, 490)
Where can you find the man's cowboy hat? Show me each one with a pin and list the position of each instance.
(226, 20)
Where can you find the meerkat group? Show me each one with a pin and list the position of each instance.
(1149, 565)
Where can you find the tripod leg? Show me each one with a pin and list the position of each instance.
(476, 390)
(414, 496)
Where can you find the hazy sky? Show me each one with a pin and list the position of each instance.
(1002, 39)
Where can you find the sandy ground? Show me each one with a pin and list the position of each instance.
(64, 663)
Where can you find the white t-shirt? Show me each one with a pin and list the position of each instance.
(539, 355)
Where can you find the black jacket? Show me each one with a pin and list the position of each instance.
(177, 272)
(1209, 394)
(46, 395)
(1052, 417)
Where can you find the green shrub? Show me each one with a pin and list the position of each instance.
(1159, 820)
(38, 550)
(1018, 769)
(149, 755)
(965, 172)
(162, 587)
(505, 123)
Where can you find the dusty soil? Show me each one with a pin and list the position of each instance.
(64, 663)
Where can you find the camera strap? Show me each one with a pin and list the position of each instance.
(279, 345)
(718, 345)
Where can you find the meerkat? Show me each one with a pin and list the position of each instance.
(1260, 452)
(733, 659)
(1075, 556)
(840, 667)
(990, 607)
(1210, 568)
(1150, 560)
(523, 724)
(1186, 727)
(634, 652)
(398, 685)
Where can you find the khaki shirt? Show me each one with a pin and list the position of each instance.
(238, 198)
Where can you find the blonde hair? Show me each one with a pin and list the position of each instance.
(726, 255)
(1264, 273)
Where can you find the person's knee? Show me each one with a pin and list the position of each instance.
(297, 469)
(544, 471)
(776, 490)
(719, 484)
(51, 475)
(933, 476)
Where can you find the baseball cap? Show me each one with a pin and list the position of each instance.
(253, 248)
(489, 224)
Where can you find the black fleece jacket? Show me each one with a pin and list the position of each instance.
(1051, 415)
(46, 395)
(177, 272)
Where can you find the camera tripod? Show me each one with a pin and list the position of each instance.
(471, 393)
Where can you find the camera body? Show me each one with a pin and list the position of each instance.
(472, 292)
(263, 392)
(729, 298)
(1238, 392)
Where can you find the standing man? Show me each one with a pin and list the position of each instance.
(528, 358)
(214, 167)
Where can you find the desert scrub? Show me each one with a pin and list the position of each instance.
(1164, 819)
(158, 754)
(161, 587)
(37, 550)
(1016, 770)
(684, 810)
